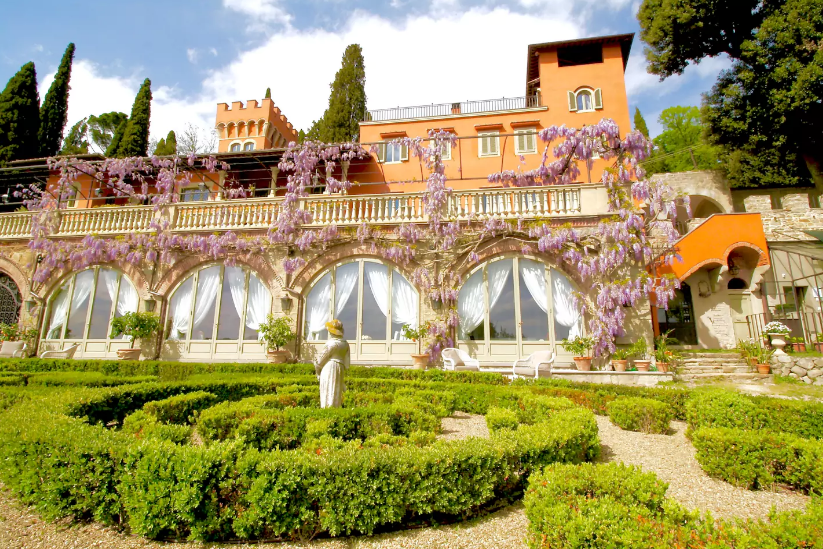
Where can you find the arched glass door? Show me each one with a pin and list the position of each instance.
(373, 301)
(512, 307)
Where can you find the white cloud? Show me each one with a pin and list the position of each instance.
(640, 83)
(213, 51)
(260, 12)
(38, 47)
(191, 53)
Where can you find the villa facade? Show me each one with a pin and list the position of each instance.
(736, 254)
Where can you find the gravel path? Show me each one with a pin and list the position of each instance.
(671, 457)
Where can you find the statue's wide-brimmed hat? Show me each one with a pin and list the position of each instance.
(335, 327)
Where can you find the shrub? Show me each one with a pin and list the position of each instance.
(180, 409)
(536, 408)
(352, 399)
(640, 414)
(758, 459)
(501, 418)
(174, 371)
(86, 379)
(441, 399)
(135, 325)
(141, 425)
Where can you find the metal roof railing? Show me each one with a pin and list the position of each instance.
(448, 109)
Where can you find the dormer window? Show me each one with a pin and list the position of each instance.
(585, 100)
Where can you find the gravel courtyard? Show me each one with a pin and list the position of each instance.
(671, 457)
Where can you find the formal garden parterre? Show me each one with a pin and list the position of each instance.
(235, 452)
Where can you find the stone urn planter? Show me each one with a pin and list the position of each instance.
(764, 369)
(420, 362)
(583, 363)
(619, 365)
(663, 367)
(642, 365)
(277, 357)
(777, 341)
(129, 354)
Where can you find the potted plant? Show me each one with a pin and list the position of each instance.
(620, 358)
(664, 357)
(641, 350)
(580, 348)
(818, 342)
(777, 332)
(748, 349)
(134, 326)
(420, 360)
(277, 333)
(764, 356)
(798, 344)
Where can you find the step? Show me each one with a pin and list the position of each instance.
(731, 377)
(684, 371)
(712, 355)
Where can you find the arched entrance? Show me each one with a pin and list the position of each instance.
(679, 317)
(10, 300)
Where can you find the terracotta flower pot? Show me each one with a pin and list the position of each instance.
(420, 362)
(764, 369)
(799, 347)
(277, 357)
(583, 363)
(129, 354)
(663, 367)
(619, 365)
(818, 347)
(642, 365)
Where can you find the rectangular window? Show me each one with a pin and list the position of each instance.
(525, 141)
(392, 153)
(194, 194)
(489, 144)
(447, 149)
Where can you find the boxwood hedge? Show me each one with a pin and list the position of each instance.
(640, 414)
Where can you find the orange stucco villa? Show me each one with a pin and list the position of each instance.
(748, 256)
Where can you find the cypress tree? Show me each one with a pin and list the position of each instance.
(167, 146)
(20, 116)
(347, 101)
(111, 150)
(640, 123)
(76, 141)
(135, 139)
(160, 148)
(55, 106)
(268, 93)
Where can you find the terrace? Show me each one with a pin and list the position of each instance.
(439, 110)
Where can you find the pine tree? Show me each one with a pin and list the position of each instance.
(640, 123)
(55, 106)
(76, 142)
(268, 93)
(167, 146)
(135, 140)
(117, 137)
(347, 101)
(20, 116)
(104, 127)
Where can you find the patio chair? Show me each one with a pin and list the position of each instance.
(534, 365)
(459, 361)
(64, 354)
(12, 349)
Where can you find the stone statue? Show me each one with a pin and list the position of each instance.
(332, 365)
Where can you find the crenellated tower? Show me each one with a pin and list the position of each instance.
(252, 126)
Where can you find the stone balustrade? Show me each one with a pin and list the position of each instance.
(343, 210)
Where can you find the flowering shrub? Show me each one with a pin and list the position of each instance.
(775, 327)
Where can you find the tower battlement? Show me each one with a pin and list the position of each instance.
(254, 125)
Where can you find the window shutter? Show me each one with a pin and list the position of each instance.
(520, 144)
(494, 141)
(381, 152)
(572, 101)
(598, 99)
(530, 143)
(404, 153)
(484, 145)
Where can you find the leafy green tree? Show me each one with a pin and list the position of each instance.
(116, 139)
(681, 146)
(76, 142)
(55, 106)
(167, 146)
(347, 101)
(764, 111)
(640, 123)
(135, 140)
(20, 116)
(268, 93)
(104, 127)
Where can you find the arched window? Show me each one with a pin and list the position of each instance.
(514, 306)
(9, 300)
(235, 147)
(218, 303)
(584, 100)
(372, 300)
(82, 308)
(737, 284)
(248, 147)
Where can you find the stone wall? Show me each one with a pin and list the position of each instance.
(805, 368)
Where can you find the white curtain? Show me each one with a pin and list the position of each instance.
(259, 304)
(207, 283)
(533, 275)
(180, 310)
(59, 308)
(317, 306)
(236, 279)
(405, 303)
(378, 277)
(565, 313)
(82, 289)
(127, 300)
(498, 273)
(344, 283)
(471, 309)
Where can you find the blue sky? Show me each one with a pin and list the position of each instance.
(200, 53)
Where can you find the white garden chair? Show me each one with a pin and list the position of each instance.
(65, 353)
(459, 361)
(12, 349)
(534, 365)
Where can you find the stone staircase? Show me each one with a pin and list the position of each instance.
(705, 366)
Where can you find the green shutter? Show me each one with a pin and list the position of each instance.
(572, 101)
(598, 99)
